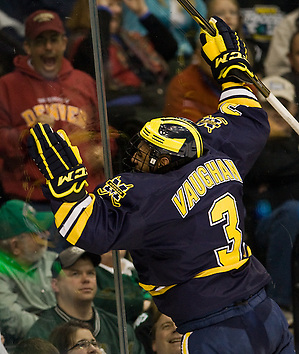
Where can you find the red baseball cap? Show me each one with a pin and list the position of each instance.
(42, 20)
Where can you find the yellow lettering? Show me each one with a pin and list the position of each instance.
(76, 116)
(72, 114)
(62, 111)
(214, 171)
(233, 169)
(29, 117)
(180, 203)
(266, 10)
(204, 175)
(53, 110)
(39, 109)
(236, 55)
(224, 170)
(80, 173)
(221, 60)
(191, 196)
(197, 184)
(63, 179)
(228, 56)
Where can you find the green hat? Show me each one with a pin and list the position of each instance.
(17, 217)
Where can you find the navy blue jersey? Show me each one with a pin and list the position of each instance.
(184, 229)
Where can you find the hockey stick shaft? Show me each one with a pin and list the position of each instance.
(269, 96)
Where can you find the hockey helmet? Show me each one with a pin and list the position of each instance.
(176, 138)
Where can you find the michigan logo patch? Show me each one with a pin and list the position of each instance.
(115, 189)
(211, 123)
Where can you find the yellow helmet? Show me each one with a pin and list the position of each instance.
(177, 138)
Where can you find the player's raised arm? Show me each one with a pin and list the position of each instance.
(240, 122)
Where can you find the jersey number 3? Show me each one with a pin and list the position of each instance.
(224, 210)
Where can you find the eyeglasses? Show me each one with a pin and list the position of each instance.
(84, 344)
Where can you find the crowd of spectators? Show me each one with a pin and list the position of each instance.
(152, 66)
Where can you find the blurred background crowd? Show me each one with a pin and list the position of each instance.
(150, 66)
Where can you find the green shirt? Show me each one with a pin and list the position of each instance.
(105, 327)
(134, 295)
(23, 294)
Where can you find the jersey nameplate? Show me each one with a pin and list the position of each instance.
(115, 189)
(205, 177)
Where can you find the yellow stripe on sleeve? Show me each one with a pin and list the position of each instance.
(71, 218)
(185, 349)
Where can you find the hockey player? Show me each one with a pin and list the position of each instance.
(182, 220)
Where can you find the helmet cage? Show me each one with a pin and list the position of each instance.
(134, 152)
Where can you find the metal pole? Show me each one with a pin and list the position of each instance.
(95, 32)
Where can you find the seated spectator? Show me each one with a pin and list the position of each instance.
(184, 29)
(75, 337)
(136, 299)
(157, 332)
(53, 92)
(25, 268)
(166, 339)
(35, 346)
(135, 66)
(277, 61)
(271, 195)
(293, 74)
(74, 283)
(143, 327)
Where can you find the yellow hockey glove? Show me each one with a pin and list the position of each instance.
(226, 53)
(59, 161)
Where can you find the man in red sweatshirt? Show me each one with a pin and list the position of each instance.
(44, 87)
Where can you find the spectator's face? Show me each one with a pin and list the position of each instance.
(76, 283)
(167, 339)
(227, 11)
(84, 343)
(278, 126)
(31, 247)
(46, 52)
(294, 54)
(115, 7)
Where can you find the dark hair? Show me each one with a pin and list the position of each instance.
(35, 346)
(63, 336)
(155, 315)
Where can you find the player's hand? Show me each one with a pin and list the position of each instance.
(226, 53)
(59, 161)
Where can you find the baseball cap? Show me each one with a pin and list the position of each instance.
(69, 256)
(280, 87)
(17, 217)
(42, 20)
